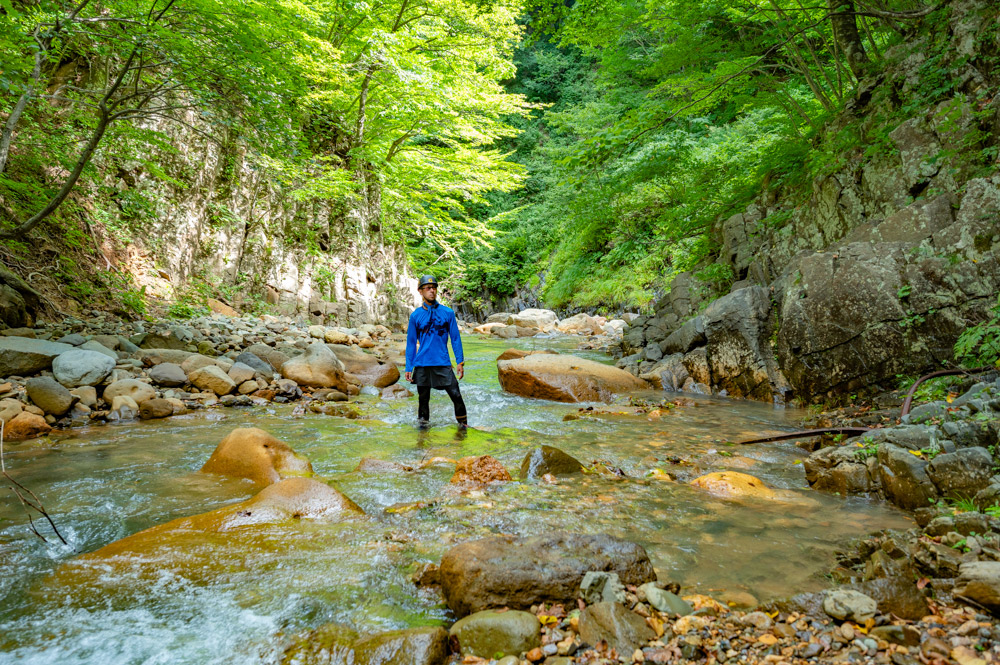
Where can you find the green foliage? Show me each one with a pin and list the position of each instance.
(979, 345)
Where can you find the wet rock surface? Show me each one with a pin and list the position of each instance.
(565, 378)
(252, 453)
(519, 572)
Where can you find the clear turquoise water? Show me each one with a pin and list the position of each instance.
(236, 599)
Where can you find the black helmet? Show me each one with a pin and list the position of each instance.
(425, 280)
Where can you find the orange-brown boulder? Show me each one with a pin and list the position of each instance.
(24, 426)
(318, 367)
(290, 499)
(733, 484)
(565, 378)
(250, 452)
(482, 469)
(511, 354)
(367, 370)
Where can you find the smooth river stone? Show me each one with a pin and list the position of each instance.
(252, 453)
(82, 367)
(20, 356)
(565, 378)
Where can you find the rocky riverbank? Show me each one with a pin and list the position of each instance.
(76, 371)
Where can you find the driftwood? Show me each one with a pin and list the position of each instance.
(858, 431)
(29, 504)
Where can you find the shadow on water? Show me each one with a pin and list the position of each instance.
(227, 598)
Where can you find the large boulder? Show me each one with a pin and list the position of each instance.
(21, 356)
(489, 633)
(318, 367)
(49, 395)
(82, 367)
(580, 324)
(565, 378)
(212, 378)
(518, 572)
(287, 501)
(548, 460)
(539, 319)
(511, 354)
(738, 328)
(252, 453)
(137, 390)
(961, 473)
(369, 370)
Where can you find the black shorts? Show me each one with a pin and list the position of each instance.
(440, 377)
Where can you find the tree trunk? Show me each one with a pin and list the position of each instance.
(845, 31)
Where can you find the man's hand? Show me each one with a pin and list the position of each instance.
(409, 377)
(461, 370)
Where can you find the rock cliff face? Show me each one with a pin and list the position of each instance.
(232, 223)
(885, 262)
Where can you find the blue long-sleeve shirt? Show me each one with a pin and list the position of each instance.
(427, 337)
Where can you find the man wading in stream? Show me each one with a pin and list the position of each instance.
(427, 361)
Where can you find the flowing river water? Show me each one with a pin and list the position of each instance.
(237, 597)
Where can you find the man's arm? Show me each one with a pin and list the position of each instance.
(411, 347)
(456, 345)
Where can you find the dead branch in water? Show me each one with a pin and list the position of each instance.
(28, 504)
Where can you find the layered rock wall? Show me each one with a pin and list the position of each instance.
(880, 268)
(224, 219)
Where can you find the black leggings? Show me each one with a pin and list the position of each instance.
(424, 403)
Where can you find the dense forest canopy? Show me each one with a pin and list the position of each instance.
(591, 144)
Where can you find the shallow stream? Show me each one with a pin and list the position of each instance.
(234, 599)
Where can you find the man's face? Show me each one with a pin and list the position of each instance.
(429, 292)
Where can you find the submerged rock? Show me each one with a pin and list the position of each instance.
(285, 501)
(546, 459)
(488, 633)
(733, 484)
(518, 572)
(565, 378)
(334, 644)
(482, 469)
(252, 453)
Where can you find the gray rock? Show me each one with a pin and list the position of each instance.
(251, 360)
(961, 473)
(904, 478)
(924, 412)
(81, 367)
(685, 338)
(72, 338)
(168, 374)
(652, 352)
(20, 356)
(621, 629)
(600, 587)
(546, 459)
(979, 581)
(738, 328)
(94, 345)
(49, 395)
(489, 634)
(846, 604)
(665, 601)
(241, 373)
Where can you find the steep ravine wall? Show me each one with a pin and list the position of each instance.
(878, 269)
(226, 222)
